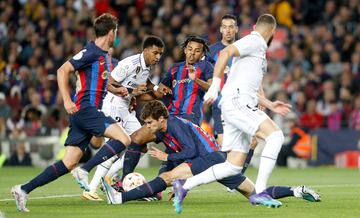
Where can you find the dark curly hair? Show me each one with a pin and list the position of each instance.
(154, 109)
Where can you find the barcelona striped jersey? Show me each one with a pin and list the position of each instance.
(187, 96)
(213, 57)
(92, 65)
(186, 139)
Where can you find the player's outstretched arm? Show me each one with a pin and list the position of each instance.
(63, 74)
(279, 107)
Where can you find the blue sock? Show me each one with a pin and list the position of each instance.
(247, 160)
(51, 173)
(280, 191)
(131, 159)
(146, 190)
(109, 149)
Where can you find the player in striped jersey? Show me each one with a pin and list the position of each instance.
(188, 81)
(92, 65)
(192, 151)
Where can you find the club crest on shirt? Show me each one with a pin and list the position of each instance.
(104, 74)
(137, 70)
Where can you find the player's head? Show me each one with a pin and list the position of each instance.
(106, 26)
(228, 28)
(153, 48)
(266, 25)
(154, 114)
(194, 48)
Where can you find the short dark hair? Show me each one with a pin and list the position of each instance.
(229, 17)
(104, 23)
(266, 19)
(154, 109)
(198, 40)
(153, 40)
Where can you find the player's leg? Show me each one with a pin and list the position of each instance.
(138, 141)
(237, 149)
(72, 156)
(98, 124)
(218, 122)
(148, 189)
(274, 139)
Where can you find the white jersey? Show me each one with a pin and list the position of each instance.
(130, 73)
(246, 71)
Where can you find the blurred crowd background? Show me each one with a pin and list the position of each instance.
(318, 71)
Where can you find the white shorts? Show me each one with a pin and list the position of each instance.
(241, 122)
(124, 118)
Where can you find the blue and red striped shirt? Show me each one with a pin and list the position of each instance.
(187, 100)
(214, 55)
(186, 139)
(93, 66)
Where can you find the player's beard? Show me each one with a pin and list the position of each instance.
(270, 40)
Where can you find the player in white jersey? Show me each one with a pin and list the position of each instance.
(130, 78)
(242, 118)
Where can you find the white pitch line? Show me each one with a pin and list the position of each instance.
(196, 190)
(46, 197)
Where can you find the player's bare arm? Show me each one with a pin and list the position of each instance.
(279, 107)
(63, 75)
(225, 54)
(116, 88)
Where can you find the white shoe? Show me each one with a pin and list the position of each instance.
(112, 195)
(230, 190)
(91, 196)
(21, 198)
(81, 177)
(306, 193)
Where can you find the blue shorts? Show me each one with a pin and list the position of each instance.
(200, 164)
(216, 115)
(85, 124)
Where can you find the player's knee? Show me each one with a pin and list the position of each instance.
(125, 139)
(70, 164)
(166, 177)
(97, 142)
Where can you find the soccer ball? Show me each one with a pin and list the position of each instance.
(132, 181)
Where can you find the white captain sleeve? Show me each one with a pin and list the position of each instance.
(247, 45)
(122, 70)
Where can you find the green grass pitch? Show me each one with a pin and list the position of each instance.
(339, 189)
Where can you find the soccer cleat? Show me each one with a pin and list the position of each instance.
(307, 194)
(156, 197)
(112, 195)
(20, 198)
(91, 196)
(264, 198)
(81, 177)
(180, 194)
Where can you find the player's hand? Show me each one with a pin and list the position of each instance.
(253, 143)
(281, 108)
(141, 89)
(70, 107)
(121, 91)
(164, 90)
(156, 153)
(133, 104)
(191, 72)
(213, 92)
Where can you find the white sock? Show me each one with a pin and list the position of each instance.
(116, 166)
(216, 172)
(268, 159)
(100, 172)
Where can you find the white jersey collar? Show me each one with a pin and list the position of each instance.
(262, 38)
(142, 62)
